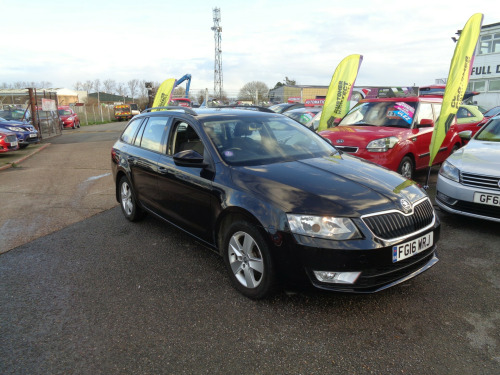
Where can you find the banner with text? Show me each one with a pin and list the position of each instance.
(162, 97)
(458, 78)
(339, 93)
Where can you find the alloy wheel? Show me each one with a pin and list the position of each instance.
(245, 259)
(126, 198)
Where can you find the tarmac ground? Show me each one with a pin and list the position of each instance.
(61, 181)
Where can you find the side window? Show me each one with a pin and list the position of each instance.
(425, 112)
(185, 138)
(153, 133)
(128, 134)
(437, 111)
(464, 113)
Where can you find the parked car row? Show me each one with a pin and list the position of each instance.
(16, 122)
(24, 132)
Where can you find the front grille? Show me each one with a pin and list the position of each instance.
(395, 224)
(479, 181)
(11, 138)
(349, 149)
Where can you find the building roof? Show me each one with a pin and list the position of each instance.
(105, 97)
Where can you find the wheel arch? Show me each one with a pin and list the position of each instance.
(230, 215)
(119, 176)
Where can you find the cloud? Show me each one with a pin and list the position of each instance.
(401, 43)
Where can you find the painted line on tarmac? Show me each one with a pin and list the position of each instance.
(97, 177)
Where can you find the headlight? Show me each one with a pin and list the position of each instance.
(382, 144)
(15, 128)
(449, 171)
(334, 228)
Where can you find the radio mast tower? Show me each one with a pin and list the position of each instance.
(218, 55)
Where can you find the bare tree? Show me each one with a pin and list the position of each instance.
(45, 84)
(254, 89)
(78, 86)
(87, 85)
(179, 92)
(132, 86)
(97, 84)
(109, 86)
(121, 90)
(143, 91)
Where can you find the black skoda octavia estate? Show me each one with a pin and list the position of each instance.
(274, 199)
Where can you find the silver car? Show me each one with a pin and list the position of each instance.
(469, 180)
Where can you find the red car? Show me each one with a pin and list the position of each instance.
(393, 132)
(8, 141)
(183, 102)
(68, 117)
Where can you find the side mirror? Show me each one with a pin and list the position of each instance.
(426, 123)
(466, 134)
(189, 158)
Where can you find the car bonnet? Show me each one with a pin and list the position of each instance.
(338, 185)
(478, 157)
(360, 136)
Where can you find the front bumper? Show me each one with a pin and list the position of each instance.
(28, 139)
(456, 198)
(368, 256)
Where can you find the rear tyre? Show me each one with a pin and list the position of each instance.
(406, 168)
(248, 261)
(128, 201)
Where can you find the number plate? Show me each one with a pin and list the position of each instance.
(33, 135)
(409, 249)
(489, 199)
(13, 144)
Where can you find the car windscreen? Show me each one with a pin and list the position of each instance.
(492, 112)
(490, 132)
(302, 116)
(266, 140)
(64, 112)
(398, 114)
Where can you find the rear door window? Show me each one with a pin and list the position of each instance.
(151, 138)
(129, 133)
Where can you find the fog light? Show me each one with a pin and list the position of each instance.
(337, 277)
(446, 199)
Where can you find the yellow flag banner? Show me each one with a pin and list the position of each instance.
(338, 95)
(458, 78)
(162, 97)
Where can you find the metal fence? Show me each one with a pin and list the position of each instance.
(94, 113)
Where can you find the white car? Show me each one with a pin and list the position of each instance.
(469, 180)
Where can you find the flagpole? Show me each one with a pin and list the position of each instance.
(426, 186)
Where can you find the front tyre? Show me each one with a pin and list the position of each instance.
(406, 168)
(248, 261)
(128, 202)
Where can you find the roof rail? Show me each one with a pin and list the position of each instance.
(249, 107)
(171, 107)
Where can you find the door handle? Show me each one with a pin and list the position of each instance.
(162, 170)
(131, 159)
